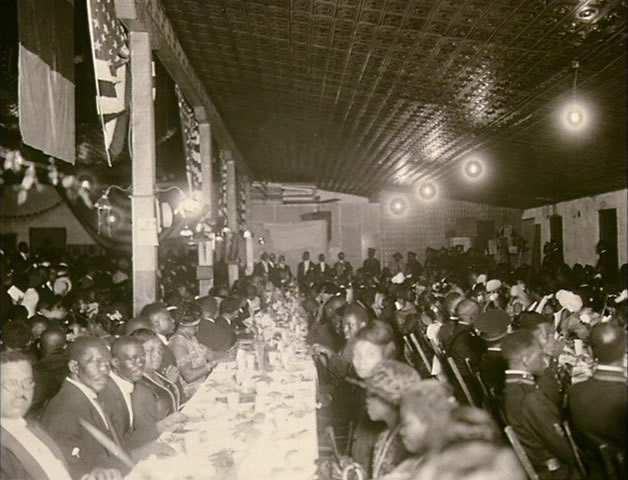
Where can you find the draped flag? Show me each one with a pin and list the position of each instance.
(46, 76)
(191, 143)
(111, 55)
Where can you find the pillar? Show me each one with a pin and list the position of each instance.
(144, 220)
(232, 212)
(250, 261)
(205, 269)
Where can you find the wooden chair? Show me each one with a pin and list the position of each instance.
(460, 381)
(520, 453)
(574, 448)
(424, 359)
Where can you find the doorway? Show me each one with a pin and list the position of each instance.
(556, 235)
(607, 219)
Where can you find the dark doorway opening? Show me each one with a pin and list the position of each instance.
(607, 219)
(556, 235)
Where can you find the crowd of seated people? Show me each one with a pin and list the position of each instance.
(454, 368)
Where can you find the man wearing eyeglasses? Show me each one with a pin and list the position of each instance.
(26, 451)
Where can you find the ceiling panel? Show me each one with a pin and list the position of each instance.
(359, 95)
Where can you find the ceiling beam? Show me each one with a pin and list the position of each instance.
(150, 16)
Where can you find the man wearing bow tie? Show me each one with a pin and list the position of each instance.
(303, 270)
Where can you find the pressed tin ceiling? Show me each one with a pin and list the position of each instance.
(359, 95)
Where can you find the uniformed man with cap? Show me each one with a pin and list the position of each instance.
(371, 265)
(597, 406)
(533, 417)
(492, 326)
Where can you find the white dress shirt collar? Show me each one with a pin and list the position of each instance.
(163, 338)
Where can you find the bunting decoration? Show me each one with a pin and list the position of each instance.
(222, 197)
(241, 195)
(111, 54)
(191, 143)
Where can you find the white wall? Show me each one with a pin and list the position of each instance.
(581, 227)
(19, 219)
(354, 225)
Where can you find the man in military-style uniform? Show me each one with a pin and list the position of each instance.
(597, 406)
(542, 329)
(533, 417)
(492, 327)
(371, 265)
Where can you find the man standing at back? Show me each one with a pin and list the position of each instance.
(303, 270)
(371, 265)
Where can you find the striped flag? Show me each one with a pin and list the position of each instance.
(191, 143)
(111, 55)
(46, 76)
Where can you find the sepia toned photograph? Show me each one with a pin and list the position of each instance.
(313, 239)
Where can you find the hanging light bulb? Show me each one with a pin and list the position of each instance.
(574, 114)
(473, 169)
(428, 191)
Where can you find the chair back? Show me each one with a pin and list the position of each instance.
(417, 346)
(574, 448)
(461, 382)
(520, 453)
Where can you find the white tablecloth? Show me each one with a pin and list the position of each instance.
(247, 425)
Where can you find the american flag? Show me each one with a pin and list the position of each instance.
(191, 143)
(111, 54)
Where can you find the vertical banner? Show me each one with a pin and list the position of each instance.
(46, 76)
(111, 54)
(191, 143)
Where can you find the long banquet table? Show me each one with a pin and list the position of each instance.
(247, 423)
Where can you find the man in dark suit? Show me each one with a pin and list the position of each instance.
(120, 396)
(161, 322)
(264, 267)
(218, 333)
(371, 265)
(322, 271)
(303, 270)
(26, 450)
(413, 267)
(343, 270)
(463, 342)
(597, 406)
(128, 359)
(534, 418)
(78, 400)
(50, 371)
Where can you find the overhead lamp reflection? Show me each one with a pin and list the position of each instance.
(427, 191)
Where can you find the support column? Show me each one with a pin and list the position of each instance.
(232, 212)
(250, 261)
(205, 270)
(145, 239)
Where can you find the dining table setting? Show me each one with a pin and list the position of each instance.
(254, 417)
